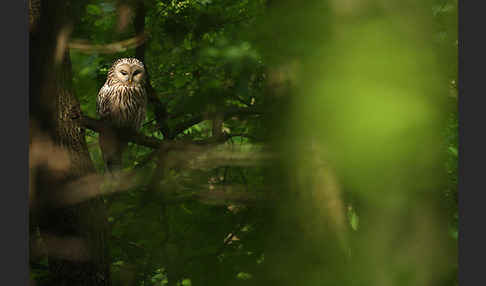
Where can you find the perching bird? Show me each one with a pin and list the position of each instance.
(121, 102)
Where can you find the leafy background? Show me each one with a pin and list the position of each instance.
(364, 88)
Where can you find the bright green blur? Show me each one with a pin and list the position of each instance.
(367, 133)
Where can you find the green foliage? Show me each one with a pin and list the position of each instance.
(353, 218)
(205, 56)
(197, 63)
(243, 276)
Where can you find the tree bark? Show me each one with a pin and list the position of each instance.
(75, 237)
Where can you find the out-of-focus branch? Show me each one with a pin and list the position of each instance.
(69, 248)
(201, 117)
(87, 187)
(86, 47)
(217, 197)
(190, 154)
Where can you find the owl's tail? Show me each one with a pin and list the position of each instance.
(112, 148)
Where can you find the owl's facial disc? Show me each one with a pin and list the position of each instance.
(130, 74)
(137, 74)
(123, 73)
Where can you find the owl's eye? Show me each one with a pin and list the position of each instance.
(123, 72)
(137, 72)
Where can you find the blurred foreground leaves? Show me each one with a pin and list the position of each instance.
(346, 175)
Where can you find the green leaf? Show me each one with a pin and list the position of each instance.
(180, 81)
(187, 44)
(353, 218)
(93, 9)
(243, 276)
(354, 221)
(119, 263)
(158, 276)
(453, 150)
(454, 233)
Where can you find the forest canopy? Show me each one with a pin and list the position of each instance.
(285, 143)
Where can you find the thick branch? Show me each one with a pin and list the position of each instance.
(100, 125)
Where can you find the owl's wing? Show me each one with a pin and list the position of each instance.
(141, 112)
(103, 102)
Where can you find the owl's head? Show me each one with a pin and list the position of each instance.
(127, 71)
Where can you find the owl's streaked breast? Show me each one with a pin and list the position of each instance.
(122, 105)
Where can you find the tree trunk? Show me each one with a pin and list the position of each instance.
(75, 236)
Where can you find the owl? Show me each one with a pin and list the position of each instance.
(121, 102)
